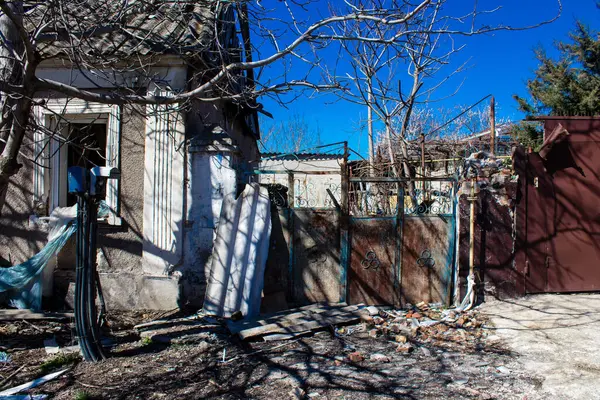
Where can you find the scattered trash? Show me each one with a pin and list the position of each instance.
(33, 383)
(51, 346)
(4, 357)
(503, 370)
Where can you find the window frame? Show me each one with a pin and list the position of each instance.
(47, 170)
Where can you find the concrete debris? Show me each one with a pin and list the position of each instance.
(356, 356)
(405, 348)
(372, 310)
(378, 357)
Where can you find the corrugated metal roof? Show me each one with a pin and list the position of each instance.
(302, 156)
(135, 27)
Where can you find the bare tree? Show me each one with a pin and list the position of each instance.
(292, 135)
(377, 68)
(113, 43)
(425, 54)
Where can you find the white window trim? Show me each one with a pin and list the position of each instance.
(42, 176)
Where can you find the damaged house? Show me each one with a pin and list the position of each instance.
(177, 161)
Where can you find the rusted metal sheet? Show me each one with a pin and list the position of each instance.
(373, 272)
(427, 259)
(316, 256)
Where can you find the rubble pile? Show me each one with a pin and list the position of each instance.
(422, 326)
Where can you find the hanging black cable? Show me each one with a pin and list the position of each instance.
(89, 187)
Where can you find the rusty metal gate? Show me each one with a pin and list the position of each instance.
(357, 240)
(400, 247)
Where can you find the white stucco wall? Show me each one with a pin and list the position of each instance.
(309, 190)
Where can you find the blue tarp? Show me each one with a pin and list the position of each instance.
(22, 283)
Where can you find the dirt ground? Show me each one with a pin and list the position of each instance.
(454, 359)
(556, 339)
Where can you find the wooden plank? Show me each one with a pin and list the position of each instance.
(238, 326)
(13, 315)
(161, 323)
(315, 321)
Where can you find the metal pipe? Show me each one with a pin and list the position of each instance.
(471, 279)
(493, 126)
(472, 199)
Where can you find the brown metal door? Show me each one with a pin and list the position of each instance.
(538, 197)
(574, 248)
(317, 271)
(372, 276)
(427, 258)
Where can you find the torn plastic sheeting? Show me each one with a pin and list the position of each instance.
(32, 384)
(240, 254)
(22, 282)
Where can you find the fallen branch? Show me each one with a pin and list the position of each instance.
(8, 378)
(89, 385)
(259, 351)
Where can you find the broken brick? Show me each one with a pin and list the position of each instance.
(404, 348)
(356, 356)
(374, 333)
(401, 339)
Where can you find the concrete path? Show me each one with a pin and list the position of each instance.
(556, 339)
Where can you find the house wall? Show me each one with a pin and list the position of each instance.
(19, 239)
(309, 190)
(220, 150)
(128, 283)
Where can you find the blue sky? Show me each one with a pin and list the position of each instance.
(500, 64)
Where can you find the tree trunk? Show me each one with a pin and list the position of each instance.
(15, 108)
(370, 128)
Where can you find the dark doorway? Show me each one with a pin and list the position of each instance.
(86, 148)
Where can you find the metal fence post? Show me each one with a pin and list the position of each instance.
(399, 229)
(344, 226)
